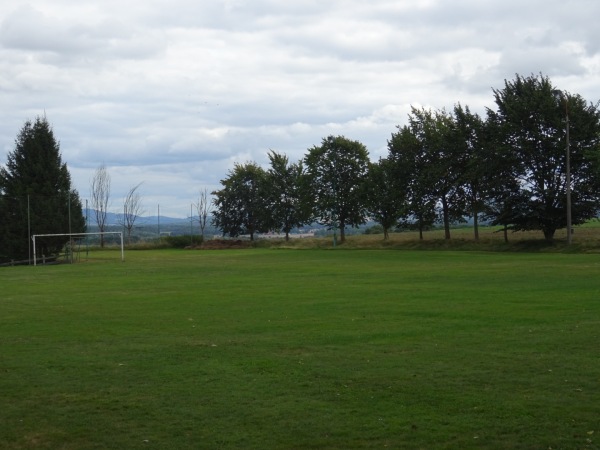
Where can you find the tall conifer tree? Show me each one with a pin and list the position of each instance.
(36, 195)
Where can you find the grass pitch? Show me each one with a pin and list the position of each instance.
(302, 349)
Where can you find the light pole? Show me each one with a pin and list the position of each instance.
(563, 97)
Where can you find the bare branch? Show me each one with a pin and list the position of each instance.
(100, 195)
(132, 210)
(203, 207)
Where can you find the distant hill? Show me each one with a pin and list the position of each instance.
(113, 219)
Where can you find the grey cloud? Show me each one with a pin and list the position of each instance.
(174, 92)
(59, 40)
(550, 61)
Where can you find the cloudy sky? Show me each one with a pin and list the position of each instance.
(172, 93)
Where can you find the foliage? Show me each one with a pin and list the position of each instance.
(509, 169)
(337, 170)
(533, 129)
(472, 141)
(385, 194)
(443, 162)
(181, 241)
(241, 206)
(406, 150)
(375, 229)
(37, 196)
(287, 194)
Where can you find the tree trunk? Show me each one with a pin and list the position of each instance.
(386, 234)
(549, 234)
(446, 218)
(506, 234)
(342, 232)
(476, 224)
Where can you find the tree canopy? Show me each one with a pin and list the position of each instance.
(241, 205)
(286, 186)
(37, 196)
(385, 195)
(533, 119)
(336, 170)
(509, 167)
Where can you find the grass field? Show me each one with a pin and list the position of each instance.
(295, 349)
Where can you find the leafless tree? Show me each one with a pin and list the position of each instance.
(100, 194)
(203, 208)
(132, 210)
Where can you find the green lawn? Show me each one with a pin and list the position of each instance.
(302, 349)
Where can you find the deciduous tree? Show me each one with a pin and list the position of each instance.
(411, 162)
(203, 208)
(533, 126)
(472, 142)
(337, 170)
(386, 194)
(132, 209)
(288, 203)
(100, 194)
(241, 205)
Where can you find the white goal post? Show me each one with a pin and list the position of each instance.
(71, 235)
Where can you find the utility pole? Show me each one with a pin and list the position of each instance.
(563, 97)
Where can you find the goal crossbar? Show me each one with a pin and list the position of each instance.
(71, 235)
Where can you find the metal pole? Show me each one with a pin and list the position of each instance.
(34, 255)
(569, 230)
(87, 243)
(564, 97)
(29, 232)
(335, 199)
(122, 250)
(70, 235)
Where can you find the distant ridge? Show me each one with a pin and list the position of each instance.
(113, 219)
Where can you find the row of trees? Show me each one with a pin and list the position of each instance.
(509, 168)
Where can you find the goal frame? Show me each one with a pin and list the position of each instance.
(71, 235)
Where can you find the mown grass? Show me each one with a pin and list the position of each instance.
(586, 239)
(302, 349)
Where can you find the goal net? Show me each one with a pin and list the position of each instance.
(79, 236)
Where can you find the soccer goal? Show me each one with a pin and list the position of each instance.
(76, 235)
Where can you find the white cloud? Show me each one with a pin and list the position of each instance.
(172, 93)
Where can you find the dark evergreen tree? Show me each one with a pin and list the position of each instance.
(37, 195)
